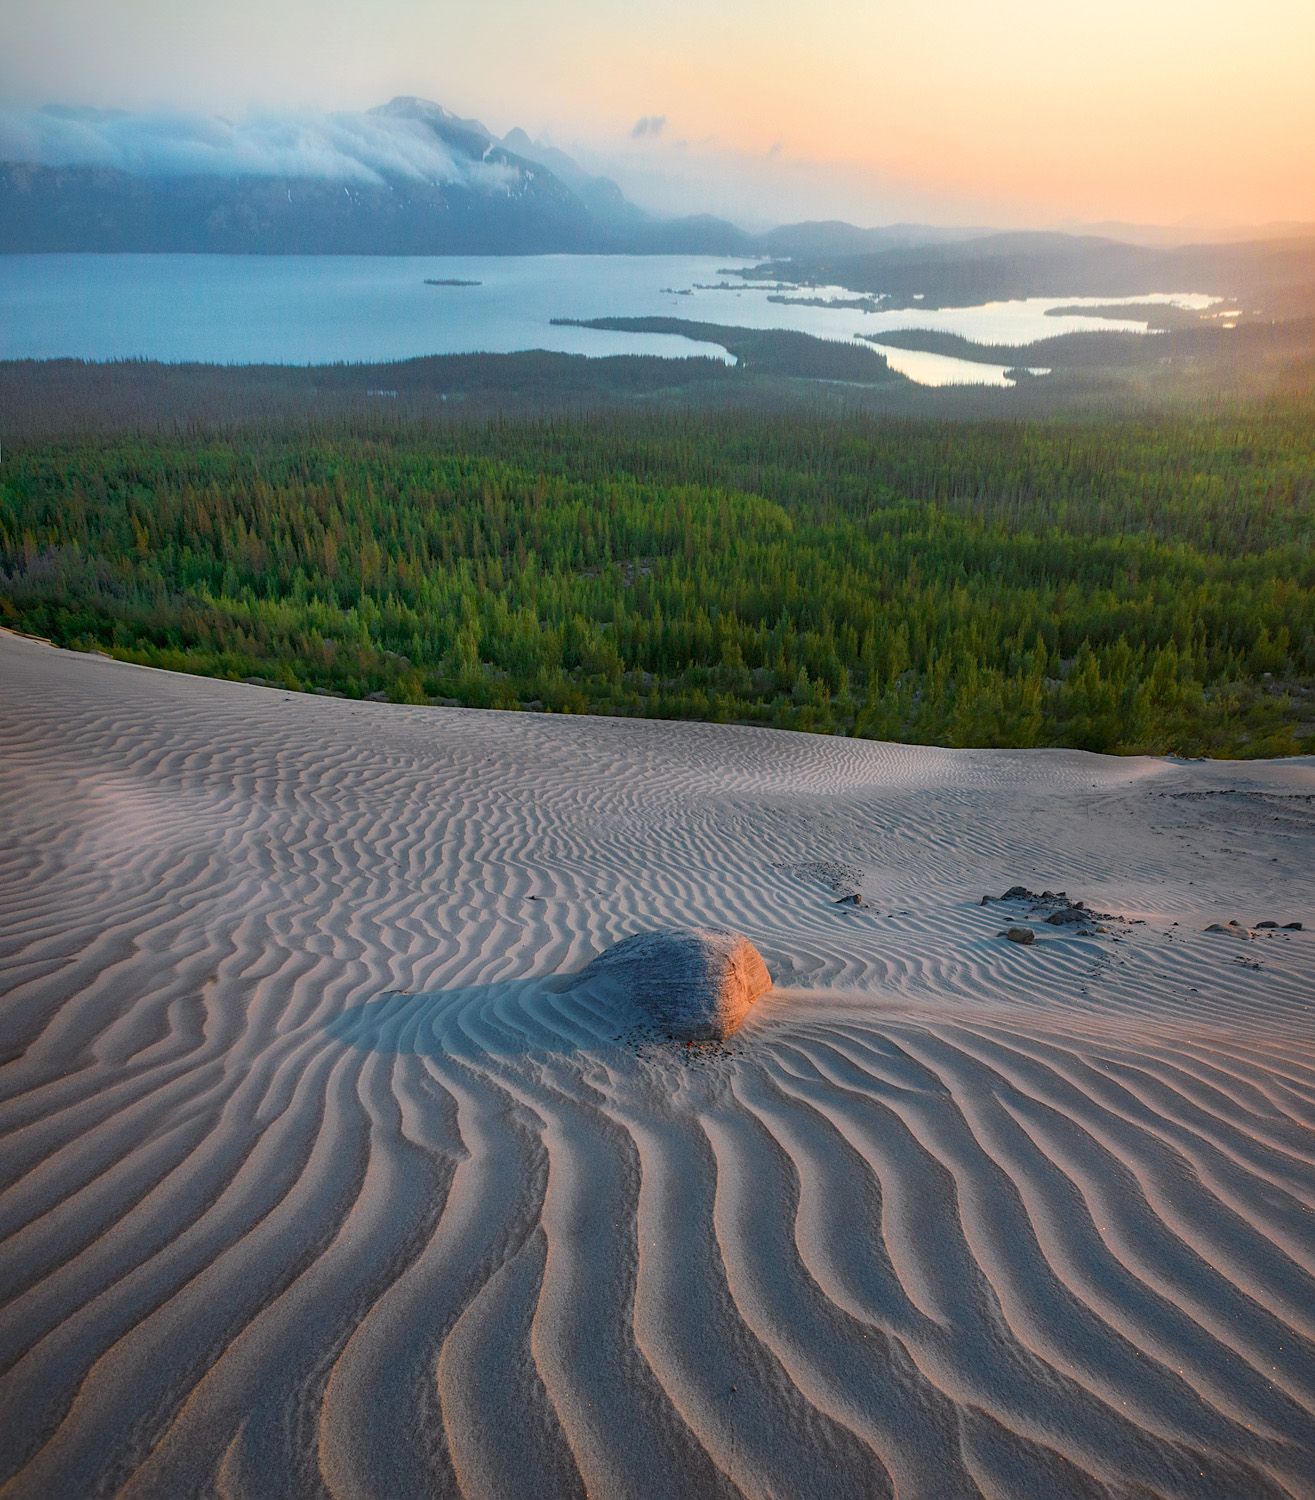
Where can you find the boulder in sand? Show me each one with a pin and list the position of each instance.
(695, 983)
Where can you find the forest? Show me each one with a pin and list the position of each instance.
(1118, 585)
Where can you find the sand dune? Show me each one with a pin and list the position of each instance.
(319, 1180)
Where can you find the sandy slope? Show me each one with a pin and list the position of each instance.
(315, 1183)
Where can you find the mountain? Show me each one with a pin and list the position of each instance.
(600, 195)
(835, 237)
(629, 226)
(1174, 235)
(412, 178)
(409, 178)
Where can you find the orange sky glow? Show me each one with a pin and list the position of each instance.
(1019, 111)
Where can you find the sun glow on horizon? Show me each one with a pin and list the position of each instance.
(1021, 112)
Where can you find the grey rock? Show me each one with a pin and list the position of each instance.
(695, 983)
(1067, 916)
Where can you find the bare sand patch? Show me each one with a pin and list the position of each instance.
(321, 1174)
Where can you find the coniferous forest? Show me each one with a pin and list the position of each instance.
(1118, 585)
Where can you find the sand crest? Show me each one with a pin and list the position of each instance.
(319, 1179)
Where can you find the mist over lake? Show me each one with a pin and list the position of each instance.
(324, 309)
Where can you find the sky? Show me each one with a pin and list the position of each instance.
(1001, 112)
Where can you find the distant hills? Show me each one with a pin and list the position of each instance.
(411, 178)
(1276, 276)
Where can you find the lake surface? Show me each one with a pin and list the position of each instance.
(230, 309)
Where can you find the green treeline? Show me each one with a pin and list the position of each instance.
(1119, 586)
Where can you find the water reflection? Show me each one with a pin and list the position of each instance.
(320, 309)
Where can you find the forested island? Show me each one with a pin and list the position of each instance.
(1121, 585)
(768, 351)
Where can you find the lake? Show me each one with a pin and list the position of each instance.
(229, 309)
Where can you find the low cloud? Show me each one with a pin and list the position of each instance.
(367, 148)
(648, 125)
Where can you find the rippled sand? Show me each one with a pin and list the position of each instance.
(316, 1180)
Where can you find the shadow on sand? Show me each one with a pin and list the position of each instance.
(513, 1018)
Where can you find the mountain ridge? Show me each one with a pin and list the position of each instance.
(411, 177)
(453, 188)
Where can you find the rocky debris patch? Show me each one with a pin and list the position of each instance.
(1056, 910)
(839, 879)
(1234, 928)
(843, 881)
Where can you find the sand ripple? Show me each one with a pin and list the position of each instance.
(317, 1182)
